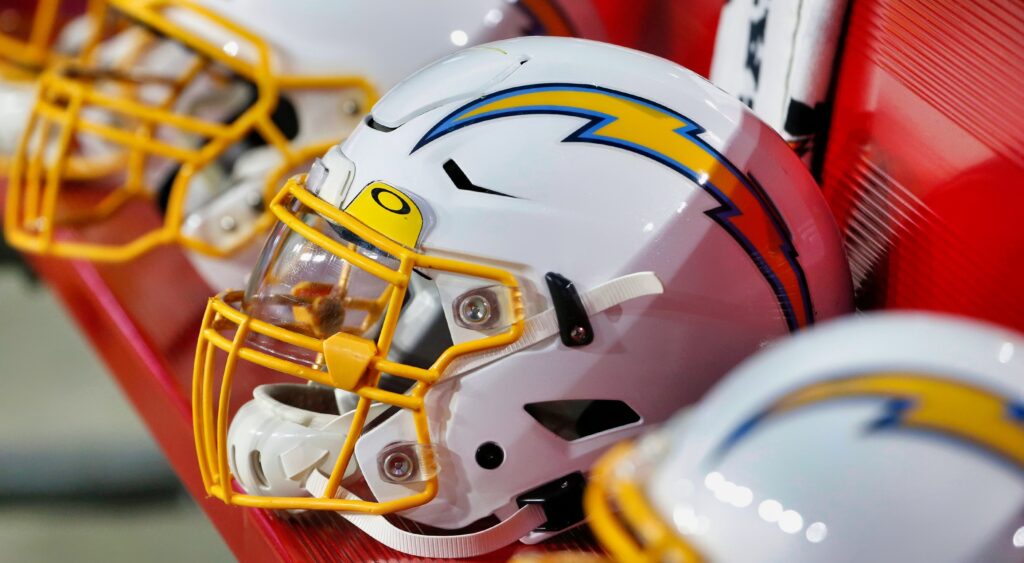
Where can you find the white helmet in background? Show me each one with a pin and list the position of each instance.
(206, 105)
(530, 251)
(893, 437)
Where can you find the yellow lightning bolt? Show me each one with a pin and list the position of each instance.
(941, 405)
(661, 134)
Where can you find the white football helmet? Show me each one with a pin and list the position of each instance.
(893, 437)
(206, 105)
(529, 251)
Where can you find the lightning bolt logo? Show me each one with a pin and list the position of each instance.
(652, 130)
(970, 414)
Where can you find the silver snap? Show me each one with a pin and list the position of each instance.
(399, 466)
(475, 310)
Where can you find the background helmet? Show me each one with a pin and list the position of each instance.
(529, 251)
(894, 437)
(205, 105)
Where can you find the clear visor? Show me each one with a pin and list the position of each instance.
(299, 286)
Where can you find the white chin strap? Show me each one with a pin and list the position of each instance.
(475, 544)
(524, 520)
(542, 326)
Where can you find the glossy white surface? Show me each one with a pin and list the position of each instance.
(461, 76)
(825, 482)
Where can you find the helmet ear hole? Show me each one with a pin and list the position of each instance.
(256, 462)
(490, 455)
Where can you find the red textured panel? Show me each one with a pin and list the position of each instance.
(925, 165)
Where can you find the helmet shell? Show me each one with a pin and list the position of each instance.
(594, 204)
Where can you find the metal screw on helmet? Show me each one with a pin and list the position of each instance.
(407, 462)
(475, 310)
(399, 466)
(578, 334)
(350, 107)
(228, 223)
(478, 309)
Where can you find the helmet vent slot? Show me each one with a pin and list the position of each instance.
(575, 419)
(377, 126)
(257, 469)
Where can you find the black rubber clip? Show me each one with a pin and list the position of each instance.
(573, 322)
(561, 499)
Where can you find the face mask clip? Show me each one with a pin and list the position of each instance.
(573, 322)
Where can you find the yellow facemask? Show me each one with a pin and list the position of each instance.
(136, 119)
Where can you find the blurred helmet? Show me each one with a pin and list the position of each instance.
(529, 251)
(33, 34)
(205, 105)
(894, 437)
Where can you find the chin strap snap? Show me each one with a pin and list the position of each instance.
(475, 544)
(545, 325)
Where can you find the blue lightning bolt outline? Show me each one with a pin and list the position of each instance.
(691, 130)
